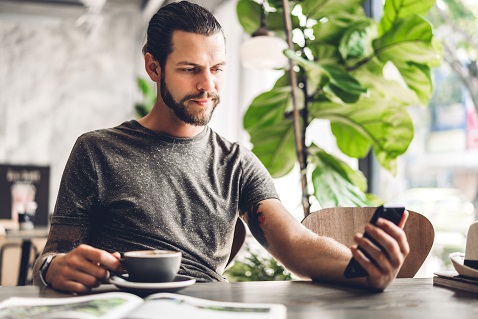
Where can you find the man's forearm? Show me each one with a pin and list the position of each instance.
(36, 268)
(321, 258)
(62, 239)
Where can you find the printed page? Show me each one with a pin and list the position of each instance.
(176, 306)
(111, 305)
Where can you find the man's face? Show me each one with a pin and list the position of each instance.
(192, 75)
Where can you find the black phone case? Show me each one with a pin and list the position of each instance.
(394, 214)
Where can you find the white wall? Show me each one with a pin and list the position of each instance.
(58, 81)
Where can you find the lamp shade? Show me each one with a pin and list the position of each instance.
(263, 51)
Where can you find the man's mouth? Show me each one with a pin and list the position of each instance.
(202, 102)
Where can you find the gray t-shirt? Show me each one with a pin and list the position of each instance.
(136, 189)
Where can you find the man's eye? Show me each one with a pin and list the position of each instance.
(191, 70)
(217, 70)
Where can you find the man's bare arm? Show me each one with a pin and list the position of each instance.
(77, 267)
(296, 247)
(61, 240)
(322, 258)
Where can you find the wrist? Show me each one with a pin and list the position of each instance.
(44, 268)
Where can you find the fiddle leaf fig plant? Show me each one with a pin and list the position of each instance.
(357, 73)
(148, 92)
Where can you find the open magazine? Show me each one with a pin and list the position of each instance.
(115, 305)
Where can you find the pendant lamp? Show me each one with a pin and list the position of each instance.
(263, 50)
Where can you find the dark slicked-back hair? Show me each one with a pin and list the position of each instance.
(177, 16)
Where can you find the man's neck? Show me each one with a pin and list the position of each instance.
(162, 122)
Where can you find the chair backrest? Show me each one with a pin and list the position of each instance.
(238, 241)
(341, 223)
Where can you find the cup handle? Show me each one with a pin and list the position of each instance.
(122, 275)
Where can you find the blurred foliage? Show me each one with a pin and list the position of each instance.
(149, 98)
(455, 24)
(256, 267)
(344, 62)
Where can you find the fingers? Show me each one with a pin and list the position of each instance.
(382, 264)
(391, 238)
(80, 270)
(390, 256)
(117, 255)
(367, 264)
(396, 233)
(374, 260)
(120, 269)
(100, 257)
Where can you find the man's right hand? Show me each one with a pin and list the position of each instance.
(81, 269)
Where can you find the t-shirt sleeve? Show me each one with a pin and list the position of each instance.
(257, 183)
(78, 193)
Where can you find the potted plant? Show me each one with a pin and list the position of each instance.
(344, 65)
(256, 265)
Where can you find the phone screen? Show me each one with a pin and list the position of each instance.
(395, 215)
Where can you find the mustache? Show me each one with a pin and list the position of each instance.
(212, 95)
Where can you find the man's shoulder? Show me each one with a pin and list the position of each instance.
(105, 133)
(224, 142)
(236, 152)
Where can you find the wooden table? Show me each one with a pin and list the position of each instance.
(405, 298)
(26, 236)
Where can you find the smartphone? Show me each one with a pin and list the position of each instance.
(396, 215)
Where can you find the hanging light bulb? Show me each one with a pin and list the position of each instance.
(263, 50)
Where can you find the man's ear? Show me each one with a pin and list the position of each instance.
(152, 67)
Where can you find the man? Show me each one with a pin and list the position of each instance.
(168, 181)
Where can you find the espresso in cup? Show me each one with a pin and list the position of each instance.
(151, 265)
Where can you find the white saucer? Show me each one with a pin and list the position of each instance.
(178, 283)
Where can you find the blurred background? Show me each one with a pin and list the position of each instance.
(72, 66)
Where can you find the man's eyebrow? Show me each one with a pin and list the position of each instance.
(186, 63)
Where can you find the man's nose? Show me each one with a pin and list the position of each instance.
(206, 82)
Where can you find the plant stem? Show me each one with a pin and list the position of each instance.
(296, 120)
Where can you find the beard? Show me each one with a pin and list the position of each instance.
(200, 117)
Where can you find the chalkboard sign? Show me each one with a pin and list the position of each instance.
(25, 188)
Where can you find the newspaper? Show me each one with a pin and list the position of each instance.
(116, 305)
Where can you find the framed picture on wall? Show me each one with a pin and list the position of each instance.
(25, 188)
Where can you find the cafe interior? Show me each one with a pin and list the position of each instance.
(72, 66)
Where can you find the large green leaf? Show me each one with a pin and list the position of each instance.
(275, 22)
(318, 9)
(341, 61)
(149, 97)
(325, 53)
(331, 78)
(336, 183)
(343, 84)
(275, 147)
(356, 43)
(317, 76)
(371, 77)
(272, 135)
(397, 9)
(418, 78)
(330, 30)
(267, 109)
(438, 46)
(372, 121)
(249, 15)
(411, 39)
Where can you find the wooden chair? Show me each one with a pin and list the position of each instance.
(238, 241)
(342, 223)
